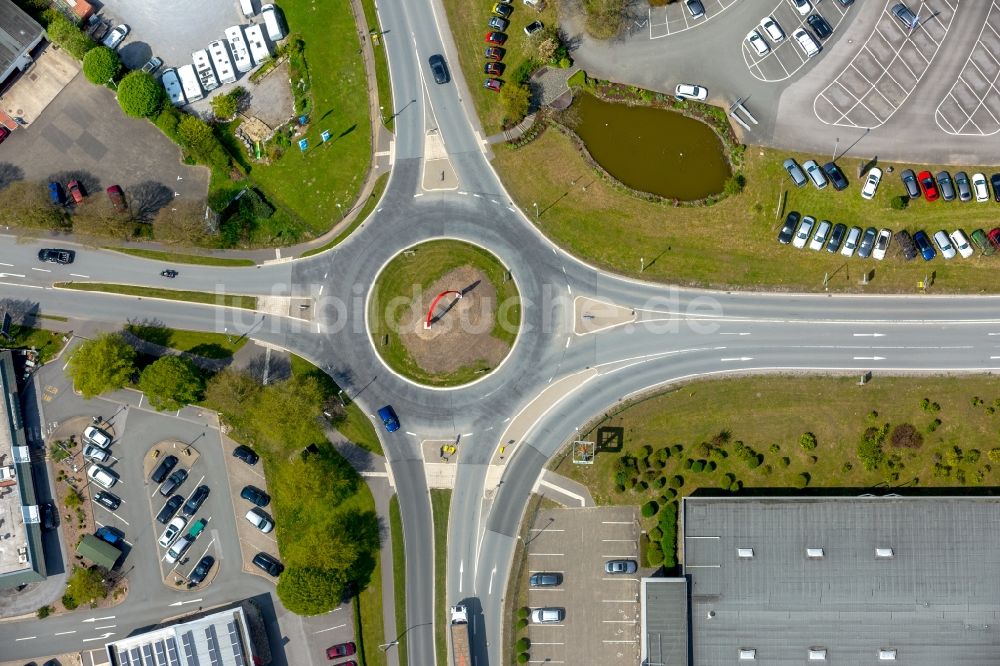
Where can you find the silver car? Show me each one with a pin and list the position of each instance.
(620, 567)
(821, 235)
(816, 174)
(805, 229)
(547, 615)
(795, 172)
(944, 244)
(851, 244)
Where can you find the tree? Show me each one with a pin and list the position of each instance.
(547, 48)
(105, 363)
(224, 106)
(139, 95)
(230, 392)
(310, 591)
(85, 583)
(196, 136)
(171, 382)
(97, 217)
(516, 99)
(182, 222)
(807, 441)
(28, 205)
(100, 65)
(302, 397)
(66, 35)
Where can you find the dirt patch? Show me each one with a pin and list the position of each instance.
(461, 328)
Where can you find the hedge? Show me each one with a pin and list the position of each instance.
(668, 524)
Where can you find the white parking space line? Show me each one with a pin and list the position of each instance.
(42, 270)
(619, 540)
(541, 643)
(616, 522)
(758, 65)
(339, 626)
(677, 13)
(620, 601)
(547, 554)
(618, 621)
(986, 44)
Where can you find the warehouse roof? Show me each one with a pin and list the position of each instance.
(18, 31)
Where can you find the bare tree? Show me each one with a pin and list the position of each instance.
(28, 205)
(182, 222)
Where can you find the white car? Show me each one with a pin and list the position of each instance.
(177, 550)
(961, 242)
(944, 244)
(805, 228)
(881, 244)
(547, 615)
(102, 476)
(772, 29)
(260, 520)
(871, 184)
(91, 452)
(802, 6)
(173, 529)
(757, 43)
(96, 436)
(851, 244)
(806, 42)
(821, 236)
(689, 91)
(980, 187)
(116, 36)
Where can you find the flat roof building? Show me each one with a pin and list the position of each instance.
(838, 580)
(19, 34)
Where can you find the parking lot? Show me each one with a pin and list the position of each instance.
(972, 106)
(601, 622)
(675, 17)
(252, 540)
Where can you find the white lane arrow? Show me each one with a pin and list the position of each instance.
(6, 275)
(869, 335)
(869, 358)
(181, 603)
(98, 619)
(102, 637)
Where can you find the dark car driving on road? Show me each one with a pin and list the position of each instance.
(56, 256)
(438, 68)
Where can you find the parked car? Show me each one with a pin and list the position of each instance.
(980, 240)
(805, 228)
(819, 26)
(56, 194)
(493, 84)
(493, 53)
(944, 244)
(268, 563)
(116, 36)
(56, 256)
(994, 237)
(928, 185)
(801, 6)
(50, 516)
(255, 495)
(815, 174)
(695, 8)
(176, 551)
(819, 238)
(788, 230)
(97, 437)
(389, 418)
(690, 91)
(91, 452)
(836, 237)
(110, 535)
(851, 244)
(836, 175)
(794, 172)
(881, 244)
(107, 500)
(161, 471)
(194, 502)
(152, 65)
(945, 185)
(493, 68)
(173, 482)
(503, 9)
(547, 615)
(910, 183)
(904, 15)
(806, 42)
(169, 509)
(871, 183)
(497, 38)
(620, 567)
(201, 570)
(542, 579)
(995, 182)
(924, 245)
(772, 29)
(173, 529)
(867, 242)
(757, 43)
(260, 520)
(982, 190)
(533, 28)
(102, 476)
(961, 243)
(74, 191)
(963, 186)
(340, 650)
(438, 67)
(906, 245)
(246, 454)
(117, 199)
(498, 23)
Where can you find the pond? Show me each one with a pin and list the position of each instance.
(653, 150)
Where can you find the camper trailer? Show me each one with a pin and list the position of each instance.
(172, 85)
(203, 67)
(189, 83)
(271, 22)
(258, 46)
(238, 47)
(223, 65)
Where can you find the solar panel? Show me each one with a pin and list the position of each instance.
(123, 658)
(234, 638)
(187, 640)
(136, 655)
(172, 658)
(147, 655)
(213, 645)
(161, 652)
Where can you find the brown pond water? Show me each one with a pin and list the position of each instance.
(653, 150)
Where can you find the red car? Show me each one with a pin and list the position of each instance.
(493, 69)
(493, 53)
(495, 38)
(75, 193)
(4, 133)
(117, 198)
(493, 84)
(928, 185)
(340, 650)
(994, 237)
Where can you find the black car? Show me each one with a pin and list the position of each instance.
(173, 482)
(906, 244)
(201, 570)
(246, 454)
(56, 256)
(194, 502)
(836, 237)
(438, 67)
(169, 509)
(819, 26)
(50, 517)
(791, 224)
(255, 495)
(107, 500)
(695, 8)
(904, 15)
(544, 579)
(867, 242)
(995, 182)
(836, 175)
(910, 183)
(163, 469)
(945, 185)
(268, 564)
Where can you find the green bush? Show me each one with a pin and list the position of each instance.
(785, 461)
(663, 455)
(103, 363)
(101, 65)
(167, 120)
(523, 644)
(224, 106)
(523, 658)
(44, 612)
(654, 555)
(899, 203)
(869, 450)
(807, 441)
(69, 37)
(171, 382)
(668, 523)
(655, 534)
(565, 63)
(736, 486)
(750, 458)
(523, 612)
(697, 466)
(649, 509)
(802, 480)
(140, 95)
(522, 623)
(676, 481)
(660, 482)
(933, 425)
(972, 456)
(774, 448)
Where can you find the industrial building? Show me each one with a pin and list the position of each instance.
(19, 35)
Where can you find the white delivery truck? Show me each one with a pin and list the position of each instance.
(172, 85)
(271, 22)
(238, 47)
(259, 48)
(223, 65)
(247, 7)
(189, 83)
(203, 67)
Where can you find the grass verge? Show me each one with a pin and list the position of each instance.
(381, 64)
(733, 243)
(227, 300)
(407, 274)
(199, 343)
(47, 343)
(440, 503)
(366, 210)
(177, 258)
(369, 627)
(398, 576)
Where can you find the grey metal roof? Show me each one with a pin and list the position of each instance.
(664, 622)
(216, 639)
(936, 600)
(17, 31)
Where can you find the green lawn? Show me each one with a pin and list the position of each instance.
(469, 24)
(310, 184)
(177, 258)
(398, 576)
(440, 503)
(47, 343)
(200, 343)
(703, 421)
(406, 274)
(366, 210)
(733, 243)
(370, 627)
(227, 300)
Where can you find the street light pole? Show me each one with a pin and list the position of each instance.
(835, 146)
(536, 211)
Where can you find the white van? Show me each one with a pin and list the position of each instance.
(223, 65)
(247, 7)
(102, 476)
(806, 42)
(172, 84)
(258, 46)
(189, 83)
(238, 47)
(271, 22)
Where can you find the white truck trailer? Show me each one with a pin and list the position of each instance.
(238, 47)
(259, 48)
(461, 654)
(189, 83)
(223, 65)
(172, 84)
(203, 68)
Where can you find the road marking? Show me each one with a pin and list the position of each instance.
(3, 264)
(26, 638)
(869, 358)
(26, 286)
(321, 290)
(330, 629)
(547, 554)
(617, 522)
(993, 357)
(619, 621)
(189, 601)
(619, 601)
(569, 290)
(461, 574)
(98, 619)
(567, 342)
(869, 335)
(734, 333)
(737, 358)
(99, 638)
(64, 633)
(110, 626)
(411, 433)
(42, 270)
(492, 573)
(78, 275)
(11, 275)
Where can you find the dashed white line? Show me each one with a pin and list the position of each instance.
(78, 275)
(42, 270)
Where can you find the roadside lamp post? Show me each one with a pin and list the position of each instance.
(536, 211)
(835, 146)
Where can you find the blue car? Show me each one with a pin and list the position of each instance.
(389, 418)
(56, 194)
(924, 245)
